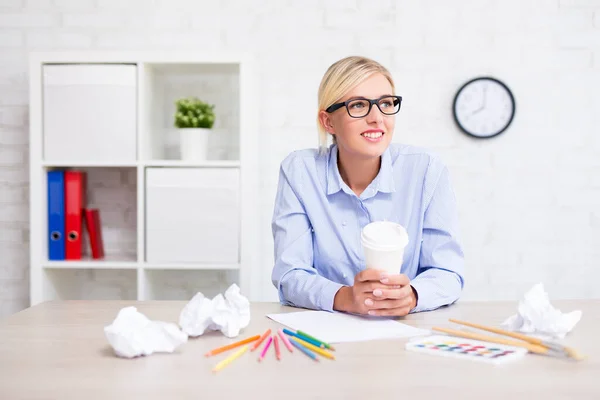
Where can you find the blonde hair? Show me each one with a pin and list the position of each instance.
(341, 77)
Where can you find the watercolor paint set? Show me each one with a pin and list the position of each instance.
(466, 349)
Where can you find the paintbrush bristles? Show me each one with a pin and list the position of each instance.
(574, 354)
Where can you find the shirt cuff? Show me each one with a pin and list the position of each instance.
(328, 295)
(425, 291)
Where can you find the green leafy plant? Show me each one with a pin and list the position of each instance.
(194, 113)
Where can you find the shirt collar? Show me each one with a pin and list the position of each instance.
(385, 177)
(334, 179)
(383, 182)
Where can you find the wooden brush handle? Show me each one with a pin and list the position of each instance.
(534, 348)
(499, 331)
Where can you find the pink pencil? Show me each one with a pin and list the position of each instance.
(262, 355)
(285, 341)
(276, 344)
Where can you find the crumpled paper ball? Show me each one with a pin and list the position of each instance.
(229, 313)
(536, 315)
(132, 334)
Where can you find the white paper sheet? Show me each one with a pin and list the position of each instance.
(339, 327)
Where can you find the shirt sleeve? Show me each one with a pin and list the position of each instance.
(294, 275)
(440, 277)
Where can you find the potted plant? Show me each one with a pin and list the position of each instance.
(194, 120)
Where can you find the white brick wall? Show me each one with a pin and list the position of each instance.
(529, 200)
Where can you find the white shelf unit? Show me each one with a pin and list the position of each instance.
(149, 195)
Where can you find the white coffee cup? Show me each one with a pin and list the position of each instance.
(383, 244)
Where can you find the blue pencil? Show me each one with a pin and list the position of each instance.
(306, 339)
(304, 350)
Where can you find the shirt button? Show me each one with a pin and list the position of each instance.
(343, 223)
(345, 275)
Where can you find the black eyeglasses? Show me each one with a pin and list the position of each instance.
(360, 106)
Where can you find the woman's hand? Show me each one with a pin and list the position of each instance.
(376, 293)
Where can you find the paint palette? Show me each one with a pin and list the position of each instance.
(467, 349)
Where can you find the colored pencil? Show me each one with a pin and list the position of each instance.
(276, 344)
(285, 341)
(311, 341)
(262, 355)
(314, 348)
(231, 346)
(328, 346)
(304, 350)
(229, 359)
(262, 338)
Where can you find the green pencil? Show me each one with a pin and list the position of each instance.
(330, 347)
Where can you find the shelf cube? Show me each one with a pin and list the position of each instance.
(192, 215)
(89, 112)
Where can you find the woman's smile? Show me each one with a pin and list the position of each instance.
(373, 135)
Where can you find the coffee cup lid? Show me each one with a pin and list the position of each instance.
(384, 235)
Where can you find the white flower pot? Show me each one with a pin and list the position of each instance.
(193, 143)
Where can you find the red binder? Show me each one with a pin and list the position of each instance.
(92, 223)
(75, 187)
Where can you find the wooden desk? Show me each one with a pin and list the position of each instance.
(58, 350)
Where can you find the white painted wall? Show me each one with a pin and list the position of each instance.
(529, 199)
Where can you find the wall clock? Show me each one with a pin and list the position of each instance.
(483, 107)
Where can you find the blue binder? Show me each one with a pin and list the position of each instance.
(56, 215)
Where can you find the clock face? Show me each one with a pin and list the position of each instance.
(484, 107)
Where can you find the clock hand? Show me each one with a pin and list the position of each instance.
(483, 103)
(482, 107)
(484, 95)
(476, 111)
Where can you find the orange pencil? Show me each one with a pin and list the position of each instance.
(276, 343)
(231, 346)
(262, 338)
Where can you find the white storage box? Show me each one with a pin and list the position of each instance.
(89, 113)
(192, 215)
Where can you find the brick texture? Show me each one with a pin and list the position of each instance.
(529, 200)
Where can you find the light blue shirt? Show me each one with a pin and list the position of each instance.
(317, 222)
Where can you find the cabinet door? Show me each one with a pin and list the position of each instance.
(192, 215)
(90, 113)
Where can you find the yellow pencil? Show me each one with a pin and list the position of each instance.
(313, 348)
(229, 359)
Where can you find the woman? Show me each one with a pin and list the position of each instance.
(324, 199)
